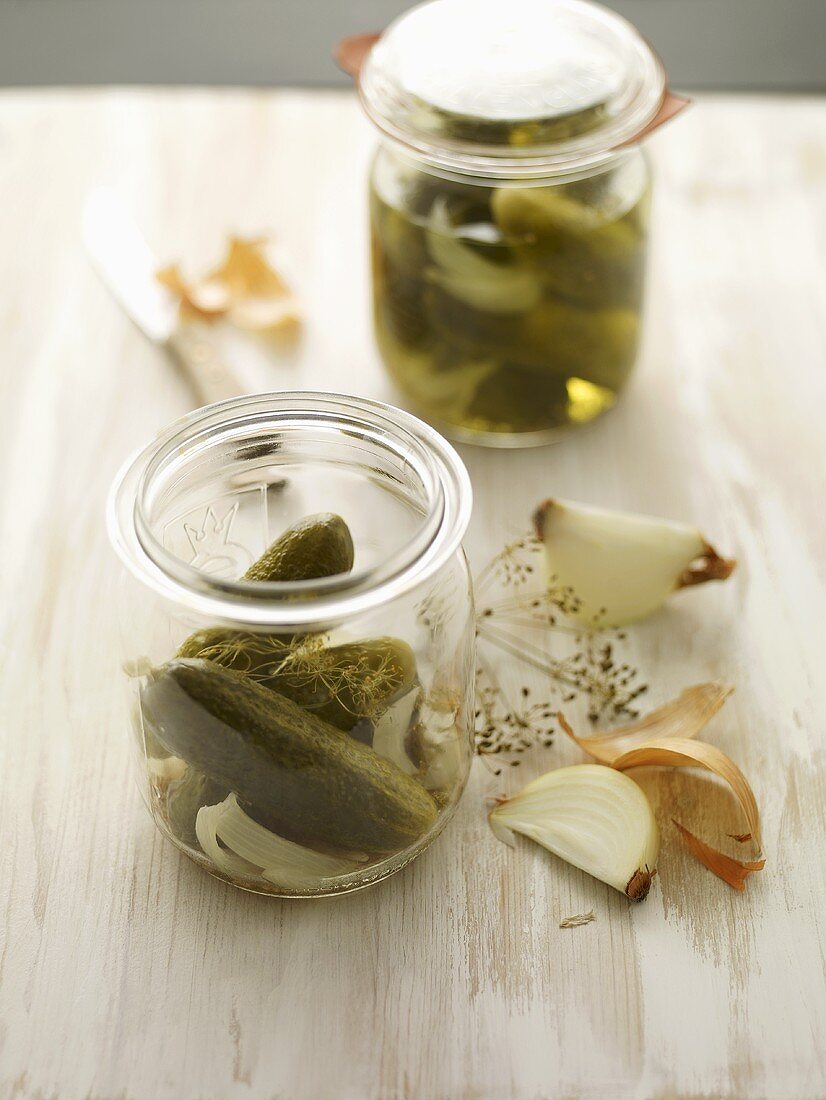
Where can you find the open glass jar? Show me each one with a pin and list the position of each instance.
(297, 637)
(509, 210)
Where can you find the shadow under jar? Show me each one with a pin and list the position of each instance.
(508, 212)
(297, 638)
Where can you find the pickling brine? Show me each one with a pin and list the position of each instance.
(509, 309)
(509, 209)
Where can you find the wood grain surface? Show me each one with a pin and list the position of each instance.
(126, 971)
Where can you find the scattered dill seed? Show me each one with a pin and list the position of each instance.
(511, 614)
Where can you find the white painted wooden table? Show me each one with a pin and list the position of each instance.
(126, 971)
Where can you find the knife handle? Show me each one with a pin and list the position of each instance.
(193, 346)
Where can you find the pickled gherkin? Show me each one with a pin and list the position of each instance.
(312, 745)
(315, 547)
(514, 308)
(583, 255)
(342, 684)
(478, 130)
(297, 772)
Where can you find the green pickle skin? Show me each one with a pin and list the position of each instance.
(477, 130)
(337, 696)
(309, 780)
(512, 309)
(317, 546)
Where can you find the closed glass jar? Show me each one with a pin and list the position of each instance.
(297, 638)
(509, 211)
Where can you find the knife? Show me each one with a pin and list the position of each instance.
(125, 262)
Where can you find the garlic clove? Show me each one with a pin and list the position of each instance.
(619, 566)
(593, 817)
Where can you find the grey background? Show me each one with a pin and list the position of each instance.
(705, 43)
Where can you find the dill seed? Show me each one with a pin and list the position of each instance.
(508, 624)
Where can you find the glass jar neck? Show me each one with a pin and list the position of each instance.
(472, 174)
(391, 444)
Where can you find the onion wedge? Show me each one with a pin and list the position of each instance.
(249, 849)
(593, 817)
(619, 566)
(665, 738)
(206, 830)
(677, 752)
(282, 861)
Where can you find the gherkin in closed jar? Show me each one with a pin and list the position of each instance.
(509, 211)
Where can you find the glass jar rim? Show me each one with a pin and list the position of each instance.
(401, 113)
(274, 604)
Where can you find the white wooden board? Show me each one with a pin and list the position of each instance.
(125, 971)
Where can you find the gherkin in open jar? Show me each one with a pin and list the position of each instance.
(300, 681)
(509, 210)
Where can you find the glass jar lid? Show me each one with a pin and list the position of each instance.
(512, 87)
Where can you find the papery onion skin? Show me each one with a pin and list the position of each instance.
(709, 566)
(733, 872)
(244, 288)
(676, 752)
(682, 717)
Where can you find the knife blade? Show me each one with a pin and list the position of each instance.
(127, 266)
